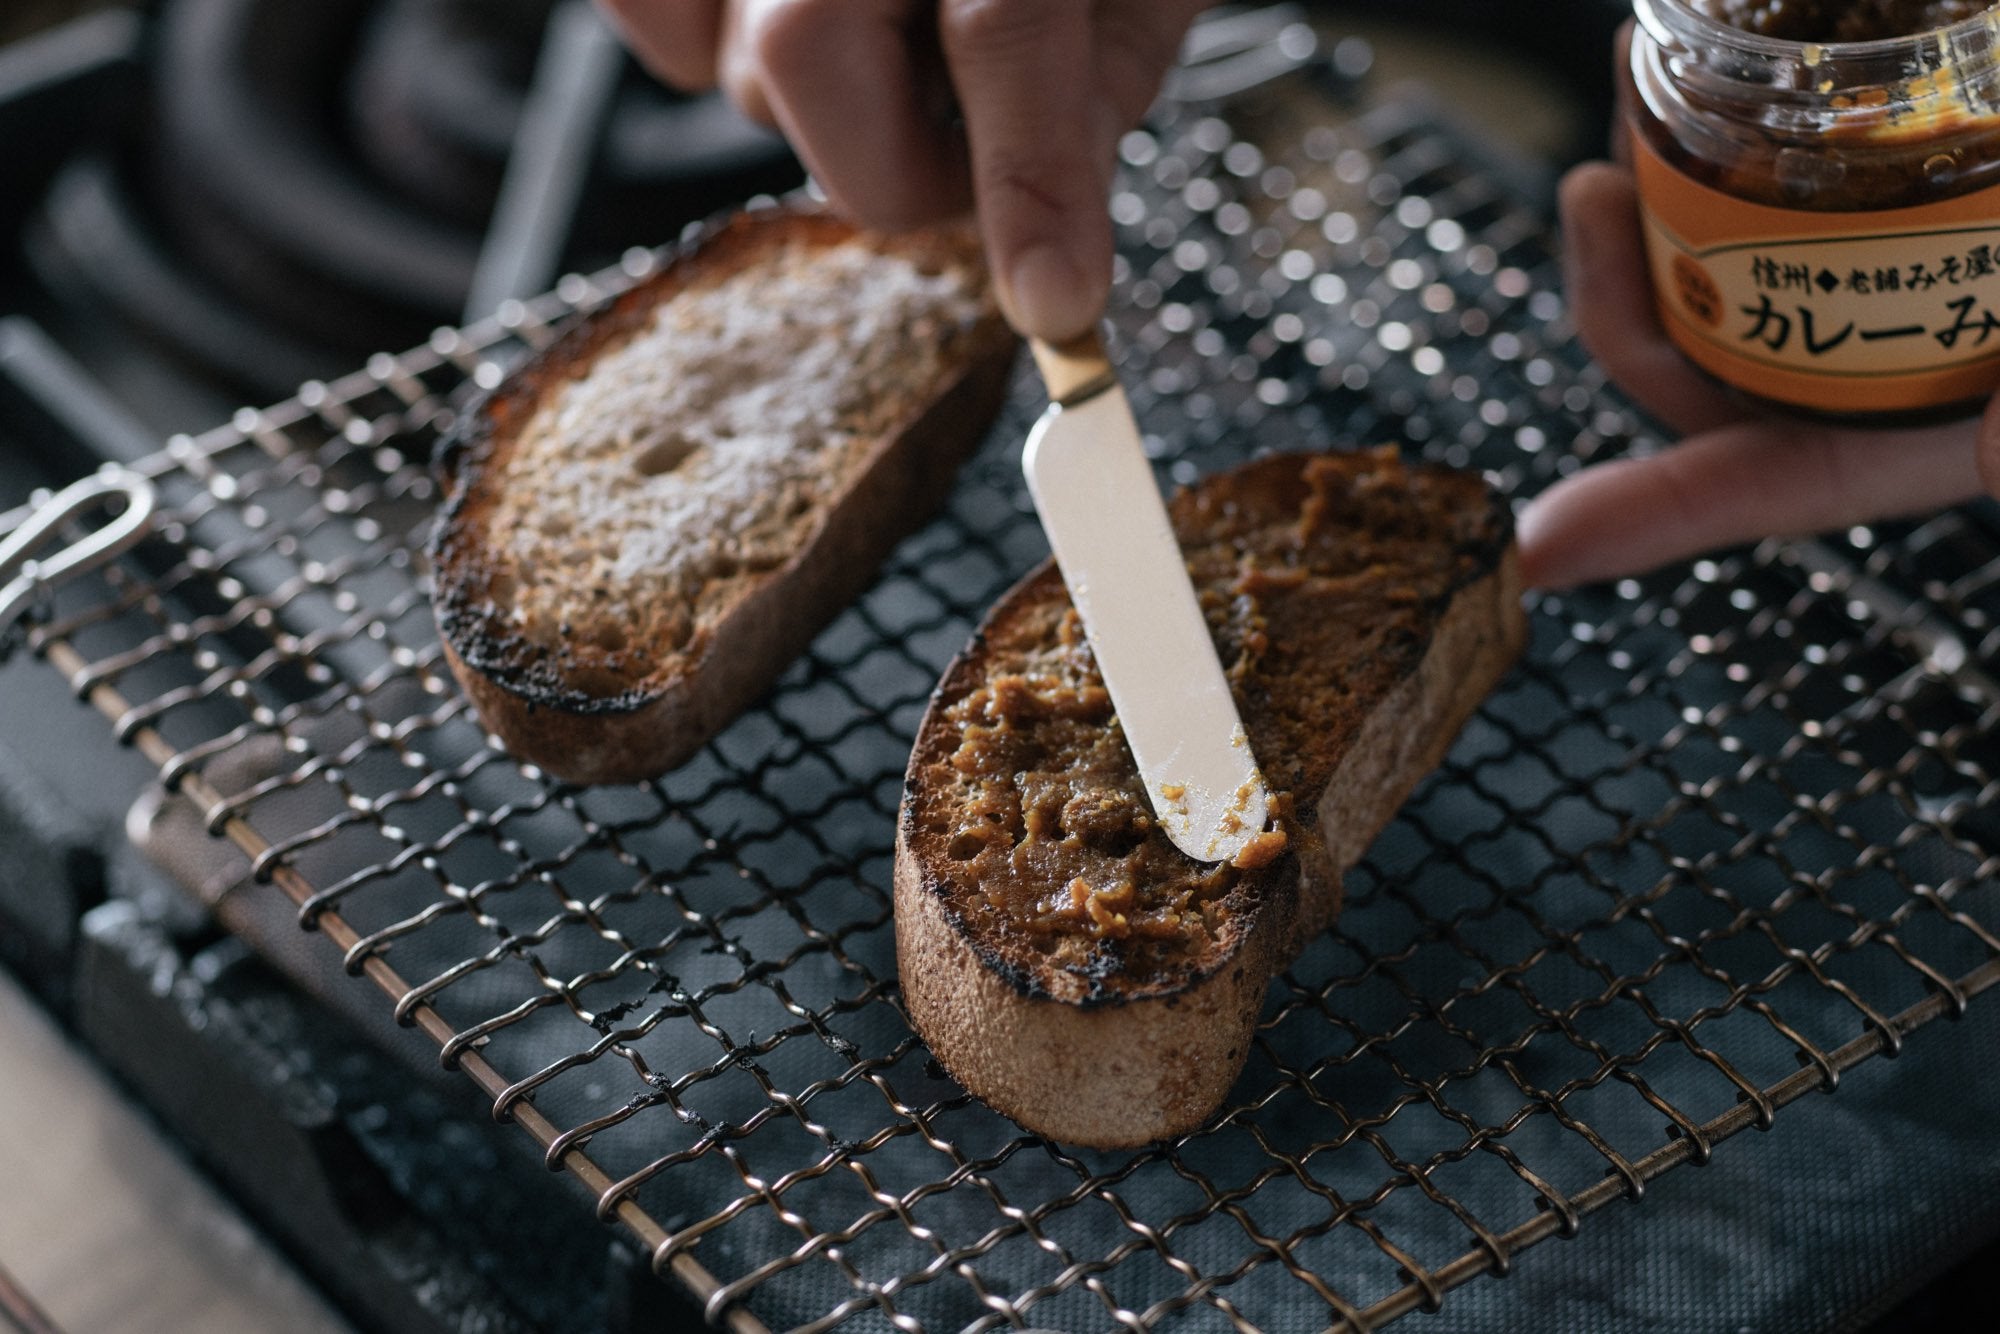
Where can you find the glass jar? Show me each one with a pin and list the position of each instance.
(1823, 220)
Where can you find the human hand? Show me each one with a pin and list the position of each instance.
(866, 91)
(1737, 474)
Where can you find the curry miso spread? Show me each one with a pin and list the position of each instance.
(1318, 576)
(1802, 124)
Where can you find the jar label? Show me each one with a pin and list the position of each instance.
(1877, 311)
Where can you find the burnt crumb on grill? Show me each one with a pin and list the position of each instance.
(605, 1020)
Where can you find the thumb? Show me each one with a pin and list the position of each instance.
(1040, 136)
(1738, 484)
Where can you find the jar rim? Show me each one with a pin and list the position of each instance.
(1678, 18)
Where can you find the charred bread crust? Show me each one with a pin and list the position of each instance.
(561, 709)
(1100, 1060)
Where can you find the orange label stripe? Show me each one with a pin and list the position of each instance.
(1884, 310)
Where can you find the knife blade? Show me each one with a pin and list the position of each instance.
(1108, 527)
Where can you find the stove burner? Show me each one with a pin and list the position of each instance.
(319, 180)
(92, 248)
(436, 103)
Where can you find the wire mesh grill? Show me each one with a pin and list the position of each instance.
(1726, 832)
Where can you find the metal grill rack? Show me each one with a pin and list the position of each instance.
(1726, 833)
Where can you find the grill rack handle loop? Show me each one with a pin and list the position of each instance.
(28, 579)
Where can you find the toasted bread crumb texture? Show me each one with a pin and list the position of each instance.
(697, 451)
(1321, 578)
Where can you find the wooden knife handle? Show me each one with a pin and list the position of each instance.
(1074, 370)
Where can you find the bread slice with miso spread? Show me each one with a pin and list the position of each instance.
(1062, 959)
(651, 517)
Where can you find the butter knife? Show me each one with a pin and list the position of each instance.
(1108, 527)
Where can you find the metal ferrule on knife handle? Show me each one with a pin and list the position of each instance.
(1073, 371)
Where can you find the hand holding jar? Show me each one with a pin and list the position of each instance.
(1797, 267)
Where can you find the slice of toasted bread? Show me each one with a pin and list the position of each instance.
(650, 518)
(1061, 958)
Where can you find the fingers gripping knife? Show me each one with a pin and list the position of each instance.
(1109, 530)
